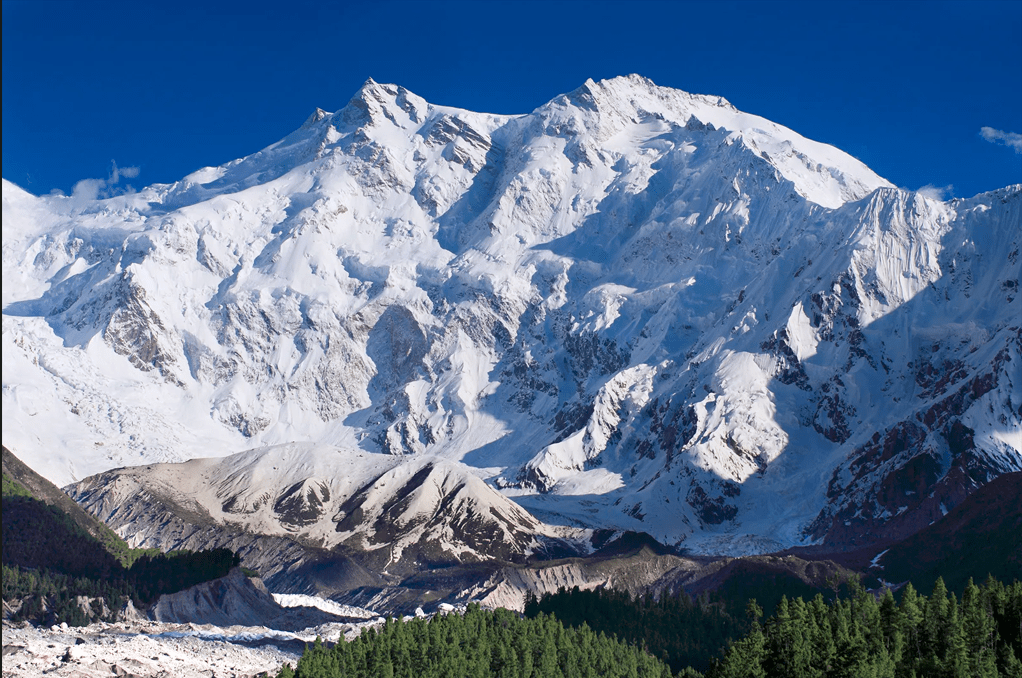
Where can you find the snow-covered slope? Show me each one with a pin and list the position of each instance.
(633, 308)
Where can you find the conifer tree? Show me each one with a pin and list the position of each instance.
(745, 657)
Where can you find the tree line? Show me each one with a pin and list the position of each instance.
(857, 635)
(676, 629)
(979, 636)
(477, 644)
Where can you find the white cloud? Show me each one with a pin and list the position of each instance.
(117, 172)
(93, 189)
(996, 136)
(932, 192)
(88, 189)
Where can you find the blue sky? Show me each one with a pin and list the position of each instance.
(166, 88)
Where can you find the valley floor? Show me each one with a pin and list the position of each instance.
(150, 649)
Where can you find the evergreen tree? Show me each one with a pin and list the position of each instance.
(745, 657)
(979, 631)
(821, 636)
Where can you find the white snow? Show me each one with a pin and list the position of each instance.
(325, 604)
(802, 338)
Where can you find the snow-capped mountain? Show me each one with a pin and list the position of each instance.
(417, 327)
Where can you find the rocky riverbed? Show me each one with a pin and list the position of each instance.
(149, 649)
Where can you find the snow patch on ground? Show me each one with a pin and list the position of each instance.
(302, 600)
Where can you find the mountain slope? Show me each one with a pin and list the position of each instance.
(396, 515)
(631, 309)
(28, 483)
(980, 537)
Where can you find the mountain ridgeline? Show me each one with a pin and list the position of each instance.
(409, 337)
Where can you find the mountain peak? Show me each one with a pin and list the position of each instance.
(641, 90)
(607, 108)
(375, 102)
(316, 116)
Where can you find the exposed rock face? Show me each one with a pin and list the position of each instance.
(231, 600)
(921, 467)
(290, 510)
(632, 309)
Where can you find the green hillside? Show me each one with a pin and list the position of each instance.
(20, 480)
(54, 552)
